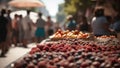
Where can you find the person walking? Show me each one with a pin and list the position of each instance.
(15, 30)
(3, 32)
(27, 22)
(9, 28)
(20, 29)
(40, 31)
(50, 26)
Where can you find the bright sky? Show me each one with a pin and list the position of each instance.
(52, 6)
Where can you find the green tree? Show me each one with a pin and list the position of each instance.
(73, 6)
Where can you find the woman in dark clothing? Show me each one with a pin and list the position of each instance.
(84, 26)
(40, 31)
(9, 30)
(3, 32)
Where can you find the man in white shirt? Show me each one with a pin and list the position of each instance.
(27, 27)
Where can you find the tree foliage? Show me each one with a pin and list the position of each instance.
(72, 6)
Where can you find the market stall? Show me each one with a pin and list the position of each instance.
(73, 49)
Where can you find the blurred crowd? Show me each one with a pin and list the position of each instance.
(21, 31)
(100, 24)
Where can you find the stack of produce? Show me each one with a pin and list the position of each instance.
(69, 35)
(72, 53)
(107, 40)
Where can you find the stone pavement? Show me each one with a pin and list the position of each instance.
(14, 53)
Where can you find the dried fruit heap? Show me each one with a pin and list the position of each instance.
(69, 34)
(73, 52)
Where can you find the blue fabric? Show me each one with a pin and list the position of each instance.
(40, 32)
(72, 25)
(116, 26)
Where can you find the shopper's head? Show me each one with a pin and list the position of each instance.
(40, 14)
(99, 12)
(3, 11)
(84, 19)
(28, 12)
(69, 17)
(9, 11)
(49, 17)
(20, 16)
(15, 16)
